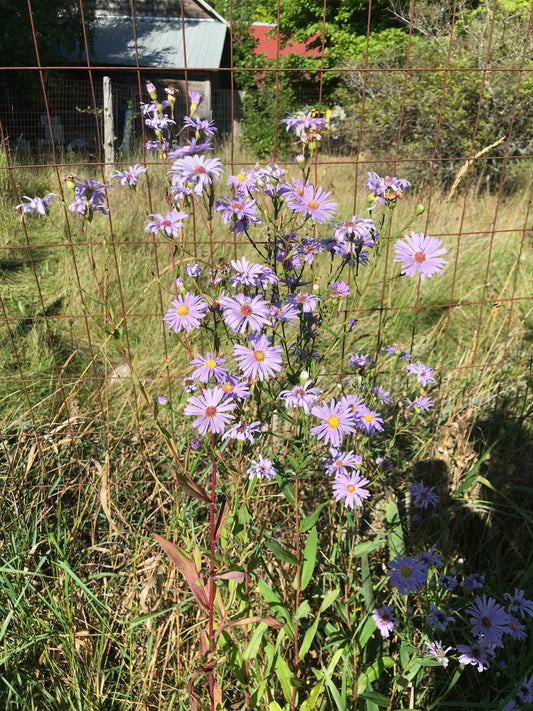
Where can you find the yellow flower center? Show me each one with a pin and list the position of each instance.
(333, 421)
(368, 418)
(210, 363)
(350, 488)
(312, 205)
(184, 310)
(242, 176)
(259, 356)
(406, 572)
(227, 388)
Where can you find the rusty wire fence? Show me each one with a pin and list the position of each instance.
(61, 379)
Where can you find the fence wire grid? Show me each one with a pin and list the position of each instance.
(62, 380)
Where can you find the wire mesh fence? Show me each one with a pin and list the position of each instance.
(60, 374)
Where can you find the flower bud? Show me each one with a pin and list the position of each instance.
(196, 99)
(180, 286)
(419, 209)
(316, 288)
(162, 400)
(150, 88)
(304, 377)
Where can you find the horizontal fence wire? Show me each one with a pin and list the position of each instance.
(51, 122)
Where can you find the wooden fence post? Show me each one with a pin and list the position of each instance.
(109, 129)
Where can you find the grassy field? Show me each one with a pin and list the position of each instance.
(89, 614)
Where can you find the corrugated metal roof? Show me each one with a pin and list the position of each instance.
(159, 42)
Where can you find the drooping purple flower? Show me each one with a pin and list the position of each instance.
(357, 231)
(336, 423)
(36, 205)
(315, 204)
(424, 374)
(361, 361)
(385, 463)
(190, 148)
(244, 182)
(189, 384)
(475, 654)
(170, 224)
(195, 443)
(339, 462)
(262, 468)
(198, 171)
(350, 487)
(439, 619)
(159, 122)
(261, 361)
(241, 312)
(430, 557)
(409, 573)
(384, 619)
(382, 395)
(518, 603)
(525, 691)
(244, 432)
(473, 581)
(516, 629)
(162, 400)
(424, 496)
(208, 366)
(448, 582)
(301, 395)
(211, 410)
(204, 126)
(421, 254)
(397, 350)
(435, 650)
(186, 312)
(309, 247)
(89, 197)
(419, 403)
(196, 99)
(246, 273)
(193, 270)
(488, 619)
(131, 175)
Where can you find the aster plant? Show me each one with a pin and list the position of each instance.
(270, 412)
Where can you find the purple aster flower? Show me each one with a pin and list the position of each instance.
(161, 145)
(242, 312)
(397, 350)
(309, 247)
(261, 361)
(385, 463)
(190, 148)
(198, 171)
(234, 387)
(448, 582)
(196, 444)
(350, 487)
(315, 204)
(196, 99)
(419, 403)
(211, 410)
(193, 270)
(186, 312)
(424, 496)
(361, 361)
(439, 619)
(357, 231)
(430, 557)
(36, 205)
(89, 197)
(308, 302)
(471, 582)
(435, 650)
(421, 254)
(246, 273)
(475, 654)
(189, 384)
(409, 573)
(424, 374)
(304, 124)
(284, 313)
(384, 619)
(238, 212)
(354, 404)
(131, 176)
(244, 432)
(262, 468)
(338, 462)
(201, 125)
(209, 366)
(340, 289)
(488, 619)
(159, 122)
(170, 224)
(336, 423)
(162, 400)
(352, 322)
(301, 395)
(525, 691)
(387, 188)
(382, 395)
(517, 603)
(516, 629)
(370, 421)
(244, 182)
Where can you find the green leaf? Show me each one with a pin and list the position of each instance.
(308, 638)
(309, 559)
(367, 547)
(253, 645)
(303, 610)
(310, 703)
(394, 530)
(375, 698)
(309, 521)
(285, 678)
(406, 651)
(366, 579)
(329, 599)
(281, 553)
